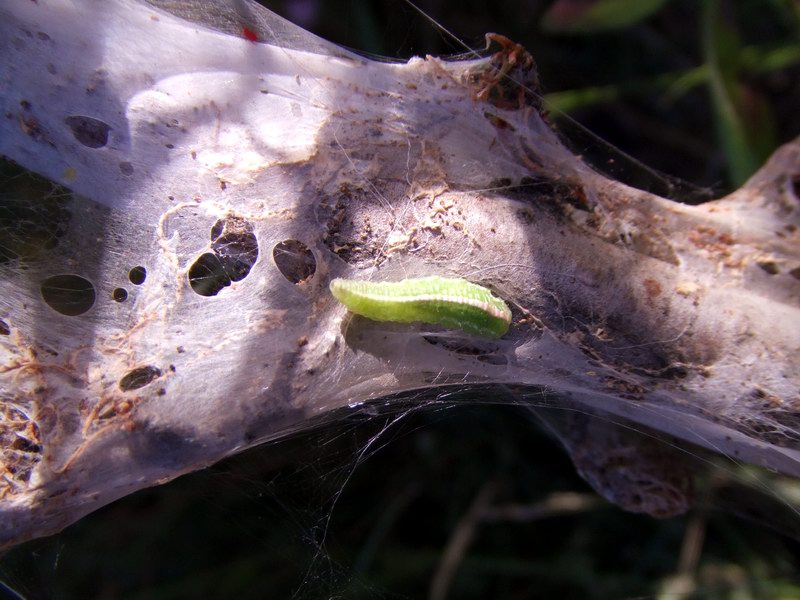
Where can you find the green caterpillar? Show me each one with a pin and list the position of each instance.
(452, 303)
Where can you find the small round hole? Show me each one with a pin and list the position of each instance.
(139, 377)
(236, 246)
(120, 294)
(137, 275)
(207, 275)
(294, 260)
(90, 132)
(69, 295)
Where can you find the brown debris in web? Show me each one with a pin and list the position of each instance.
(20, 448)
(511, 80)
